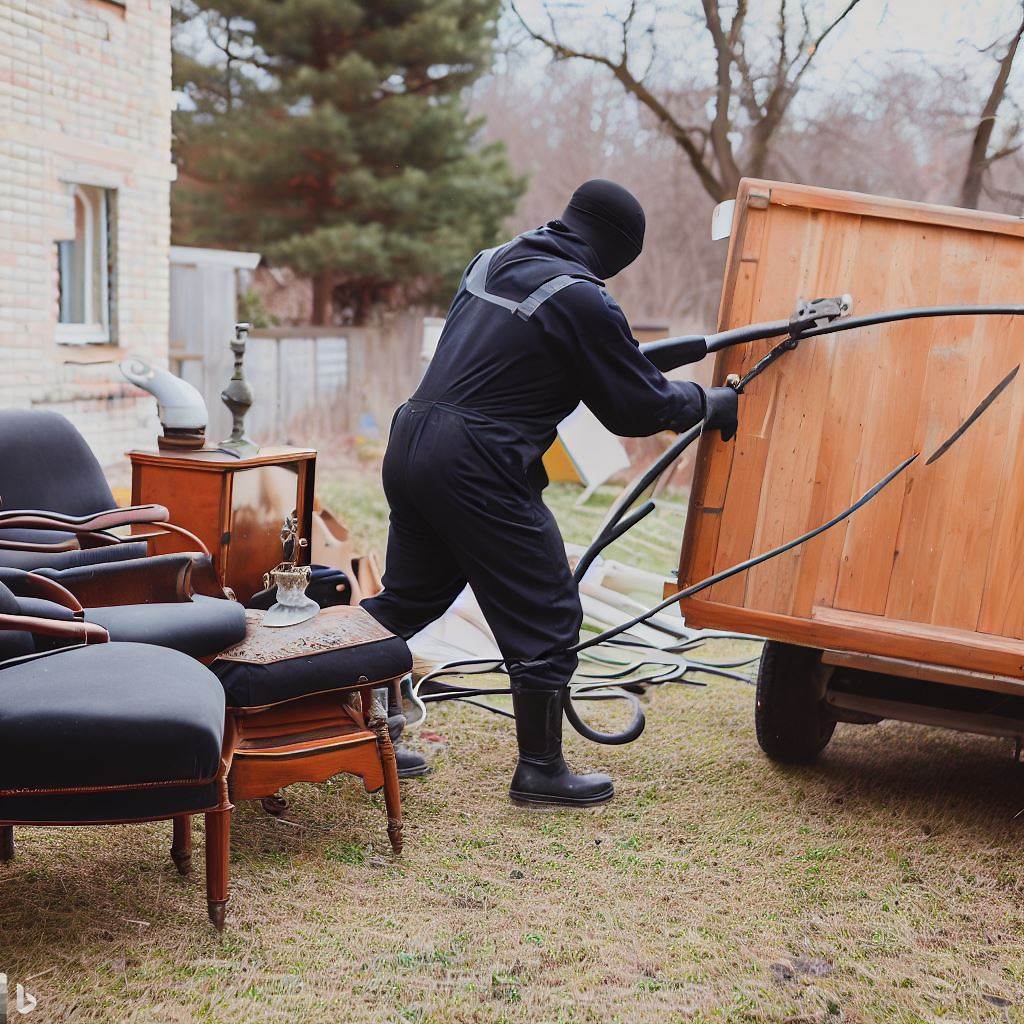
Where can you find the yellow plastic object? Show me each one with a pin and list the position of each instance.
(559, 467)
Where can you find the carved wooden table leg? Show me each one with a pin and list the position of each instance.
(6, 843)
(378, 722)
(218, 850)
(275, 805)
(181, 844)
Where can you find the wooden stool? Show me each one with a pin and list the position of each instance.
(302, 708)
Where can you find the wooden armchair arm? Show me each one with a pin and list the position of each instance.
(31, 584)
(157, 579)
(91, 531)
(79, 632)
(36, 519)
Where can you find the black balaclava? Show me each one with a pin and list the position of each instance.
(610, 221)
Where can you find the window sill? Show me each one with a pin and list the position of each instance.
(81, 334)
(88, 355)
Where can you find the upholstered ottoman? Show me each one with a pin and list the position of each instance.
(301, 706)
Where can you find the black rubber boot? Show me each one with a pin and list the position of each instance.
(410, 764)
(542, 776)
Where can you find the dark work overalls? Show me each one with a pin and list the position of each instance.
(531, 333)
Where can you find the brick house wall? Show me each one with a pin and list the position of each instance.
(85, 100)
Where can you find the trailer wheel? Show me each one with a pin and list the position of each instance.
(793, 725)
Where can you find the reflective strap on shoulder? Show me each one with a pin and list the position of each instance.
(477, 277)
(476, 281)
(535, 299)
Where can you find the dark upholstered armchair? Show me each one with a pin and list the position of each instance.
(56, 507)
(100, 732)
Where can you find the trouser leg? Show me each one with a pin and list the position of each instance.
(522, 581)
(460, 512)
(421, 577)
(421, 580)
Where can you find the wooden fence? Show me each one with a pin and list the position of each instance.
(317, 381)
(314, 382)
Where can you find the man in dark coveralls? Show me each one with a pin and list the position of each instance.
(531, 333)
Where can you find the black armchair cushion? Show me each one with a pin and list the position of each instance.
(46, 464)
(94, 719)
(200, 627)
(256, 686)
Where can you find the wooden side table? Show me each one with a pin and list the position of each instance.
(236, 506)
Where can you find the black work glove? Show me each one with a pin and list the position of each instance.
(721, 408)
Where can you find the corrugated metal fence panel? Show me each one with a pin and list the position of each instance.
(261, 358)
(331, 368)
(296, 377)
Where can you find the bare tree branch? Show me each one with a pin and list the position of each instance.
(979, 159)
(748, 105)
(635, 87)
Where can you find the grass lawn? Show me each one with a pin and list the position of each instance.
(882, 885)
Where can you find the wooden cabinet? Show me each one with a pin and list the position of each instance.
(931, 569)
(236, 506)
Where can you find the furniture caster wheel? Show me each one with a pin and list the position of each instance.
(275, 805)
(792, 721)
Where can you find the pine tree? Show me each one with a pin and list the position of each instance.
(333, 136)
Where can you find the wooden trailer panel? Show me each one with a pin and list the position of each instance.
(935, 564)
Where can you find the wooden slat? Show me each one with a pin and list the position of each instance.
(899, 355)
(802, 196)
(953, 597)
(714, 460)
(750, 468)
(850, 631)
(922, 671)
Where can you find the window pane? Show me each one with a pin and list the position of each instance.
(77, 293)
(65, 274)
(82, 262)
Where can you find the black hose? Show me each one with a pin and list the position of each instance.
(745, 335)
(451, 691)
(671, 353)
(649, 476)
(609, 536)
(851, 323)
(777, 328)
(627, 735)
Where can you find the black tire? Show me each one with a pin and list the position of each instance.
(792, 722)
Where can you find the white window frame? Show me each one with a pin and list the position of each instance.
(95, 326)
